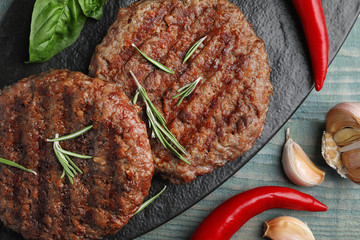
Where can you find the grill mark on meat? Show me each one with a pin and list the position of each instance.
(228, 93)
(43, 187)
(35, 124)
(81, 145)
(196, 60)
(84, 144)
(22, 108)
(142, 79)
(18, 152)
(99, 150)
(20, 148)
(28, 190)
(57, 125)
(191, 113)
(81, 114)
(205, 82)
(137, 59)
(172, 49)
(206, 107)
(160, 92)
(143, 33)
(111, 162)
(65, 192)
(181, 47)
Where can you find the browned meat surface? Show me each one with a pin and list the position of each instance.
(225, 114)
(115, 180)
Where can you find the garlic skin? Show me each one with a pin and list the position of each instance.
(346, 114)
(298, 166)
(286, 228)
(331, 154)
(341, 141)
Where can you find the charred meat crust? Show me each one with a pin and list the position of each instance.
(225, 114)
(115, 182)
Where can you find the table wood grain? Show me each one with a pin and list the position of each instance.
(342, 220)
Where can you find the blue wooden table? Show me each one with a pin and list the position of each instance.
(342, 220)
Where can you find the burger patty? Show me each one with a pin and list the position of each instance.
(226, 112)
(114, 182)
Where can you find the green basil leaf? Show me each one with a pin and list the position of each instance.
(55, 25)
(92, 8)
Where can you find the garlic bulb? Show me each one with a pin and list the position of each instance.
(285, 228)
(298, 166)
(341, 140)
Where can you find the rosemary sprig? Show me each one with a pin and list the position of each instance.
(186, 90)
(71, 136)
(149, 201)
(13, 164)
(158, 124)
(156, 63)
(193, 49)
(69, 167)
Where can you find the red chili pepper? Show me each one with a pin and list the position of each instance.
(312, 18)
(227, 218)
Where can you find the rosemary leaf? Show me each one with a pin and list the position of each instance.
(169, 135)
(73, 164)
(186, 90)
(60, 149)
(13, 164)
(157, 124)
(149, 201)
(70, 179)
(63, 162)
(193, 49)
(156, 63)
(71, 136)
(136, 97)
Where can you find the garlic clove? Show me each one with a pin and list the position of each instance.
(331, 154)
(354, 175)
(346, 136)
(285, 228)
(346, 114)
(351, 159)
(298, 166)
(343, 131)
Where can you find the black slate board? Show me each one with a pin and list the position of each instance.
(276, 22)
